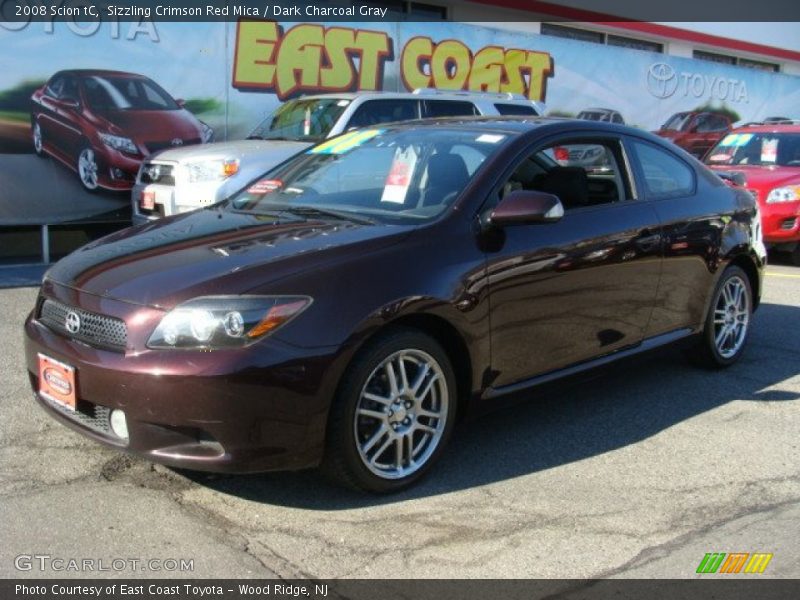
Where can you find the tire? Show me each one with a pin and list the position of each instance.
(795, 255)
(731, 311)
(88, 168)
(373, 419)
(37, 138)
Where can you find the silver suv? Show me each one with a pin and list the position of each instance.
(183, 179)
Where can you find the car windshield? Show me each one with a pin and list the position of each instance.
(677, 121)
(385, 175)
(126, 93)
(301, 120)
(760, 149)
(594, 116)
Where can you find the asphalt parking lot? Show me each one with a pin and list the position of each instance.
(637, 474)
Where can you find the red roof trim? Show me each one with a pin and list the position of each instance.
(569, 13)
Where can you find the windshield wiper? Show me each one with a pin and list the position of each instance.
(313, 211)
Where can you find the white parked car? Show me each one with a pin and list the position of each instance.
(183, 179)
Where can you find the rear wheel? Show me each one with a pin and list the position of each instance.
(728, 321)
(393, 414)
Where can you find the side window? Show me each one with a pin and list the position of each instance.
(55, 86)
(373, 112)
(582, 173)
(471, 156)
(616, 118)
(718, 123)
(665, 175)
(70, 89)
(449, 108)
(515, 109)
(704, 124)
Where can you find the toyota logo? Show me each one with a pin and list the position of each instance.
(662, 81)
(72, 322)
(177, 142)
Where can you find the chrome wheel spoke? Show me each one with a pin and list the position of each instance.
(373, 414)
(370, 443)
(377, 399)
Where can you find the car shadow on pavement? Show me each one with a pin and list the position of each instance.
(634, 401)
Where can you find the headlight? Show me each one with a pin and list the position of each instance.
(225, 321)
(211, 170)
(206, 133)
(119, 143)
(790, 193)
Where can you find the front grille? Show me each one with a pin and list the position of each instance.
(162, 174)
(159, 145)
(96, 330)
(93, 416)
(788, 224)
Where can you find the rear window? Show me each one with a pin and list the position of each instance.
(515, 109)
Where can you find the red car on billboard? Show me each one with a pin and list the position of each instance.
(767, 158)
(694, 131)
(104, 123)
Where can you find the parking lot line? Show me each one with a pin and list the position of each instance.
(790, 275)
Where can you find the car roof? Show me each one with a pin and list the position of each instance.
(100, 72)
(433, 95)
(512, 125)
(770, 128)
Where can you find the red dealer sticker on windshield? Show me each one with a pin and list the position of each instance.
(399, 177)
(264, 186)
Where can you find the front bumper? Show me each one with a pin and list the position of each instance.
(781, 222)
(257, 409)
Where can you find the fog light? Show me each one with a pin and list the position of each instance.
(119, 424)
(117, 173)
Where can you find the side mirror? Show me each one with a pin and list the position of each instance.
(522, 207)
(180, 102)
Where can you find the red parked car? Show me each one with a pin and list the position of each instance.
(104, 123)
(768, 158)
(695, 132)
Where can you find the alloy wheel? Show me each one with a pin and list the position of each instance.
(37, 138)
(401, 414)
(731, 317)
(87, 168)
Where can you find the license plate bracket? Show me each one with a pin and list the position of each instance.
(57, 382)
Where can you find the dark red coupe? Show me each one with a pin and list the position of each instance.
(347, 307)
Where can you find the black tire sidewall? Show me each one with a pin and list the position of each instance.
(346, 402)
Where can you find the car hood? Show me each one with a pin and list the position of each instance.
(210, 251)
(763, 178)
(153, 125)
(261, 149)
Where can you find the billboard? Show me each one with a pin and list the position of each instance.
(221, 79)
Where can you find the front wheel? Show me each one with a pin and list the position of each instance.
(728, 321)
(393, 414)
(38, 139)
(88, 169)
(795, 255)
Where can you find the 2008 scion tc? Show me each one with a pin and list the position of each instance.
(344, 308)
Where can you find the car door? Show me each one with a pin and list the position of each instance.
(69, 116)
(695, 140)
(693, 208)
(569, 291)
(48, 112)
